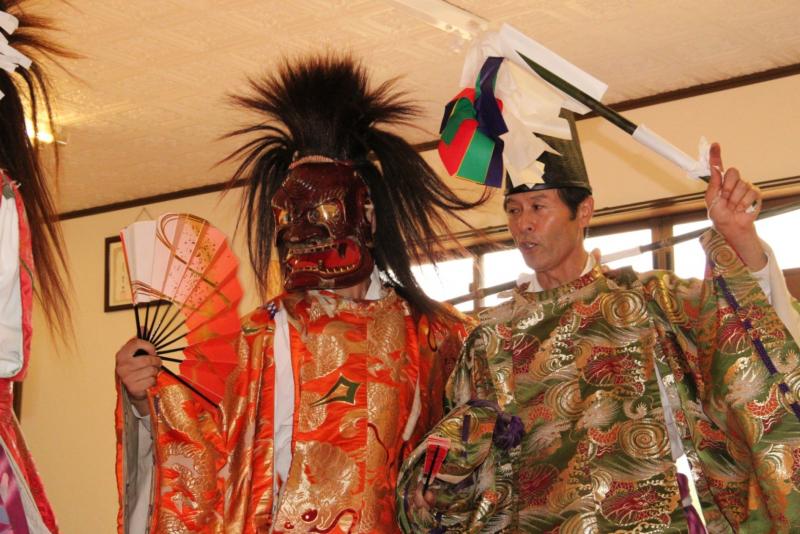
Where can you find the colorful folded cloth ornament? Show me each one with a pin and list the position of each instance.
(470, 145)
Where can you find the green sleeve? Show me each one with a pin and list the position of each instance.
(466, 491)
(740, 397)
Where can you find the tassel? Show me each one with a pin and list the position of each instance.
(508, 429)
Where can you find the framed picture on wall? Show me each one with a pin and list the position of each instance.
(117, 286)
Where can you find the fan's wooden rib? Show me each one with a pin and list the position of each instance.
(157, 327)
(168, 359)
(165, 332)
(190, 386)
(145, 333)
(161, 343)
(162, 347)
(138, 321)
(152, 319)
(168, 351)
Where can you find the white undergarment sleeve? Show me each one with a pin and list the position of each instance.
(32, 515)
(139, 520)
(413, 416)
(773, 283)
(284, 399)
(11, 356)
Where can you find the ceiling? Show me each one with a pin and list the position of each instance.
(141, 112)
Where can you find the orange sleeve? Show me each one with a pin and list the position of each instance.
(440, 342)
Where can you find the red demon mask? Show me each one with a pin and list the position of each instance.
(322, 227)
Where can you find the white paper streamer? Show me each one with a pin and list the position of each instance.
(10, 57)
(8, 22)
(703, 166)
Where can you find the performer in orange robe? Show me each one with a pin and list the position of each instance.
(28, 232)
(340, 375)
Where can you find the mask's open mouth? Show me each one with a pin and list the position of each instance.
(327, 258)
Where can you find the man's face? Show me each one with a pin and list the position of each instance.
(322, 227)
(545, 231)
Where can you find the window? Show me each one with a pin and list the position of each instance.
(623, 241)
(689, 257)
(501, 267)
(447, 280)
(776, 231)
(780, 233)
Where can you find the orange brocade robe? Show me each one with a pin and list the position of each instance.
(357, 366)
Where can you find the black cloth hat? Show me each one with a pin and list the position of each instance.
(564, 169)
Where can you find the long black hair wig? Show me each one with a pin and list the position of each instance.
(324, 105)
(20, 156)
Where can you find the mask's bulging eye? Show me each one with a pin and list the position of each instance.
(329, 212)
(281, 216)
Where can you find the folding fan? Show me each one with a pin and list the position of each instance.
(185, 294)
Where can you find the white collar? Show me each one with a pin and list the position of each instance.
(533, 282)
(375, 291)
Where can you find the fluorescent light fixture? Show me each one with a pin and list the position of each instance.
(447, 17)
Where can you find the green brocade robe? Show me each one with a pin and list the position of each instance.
(577, 365)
